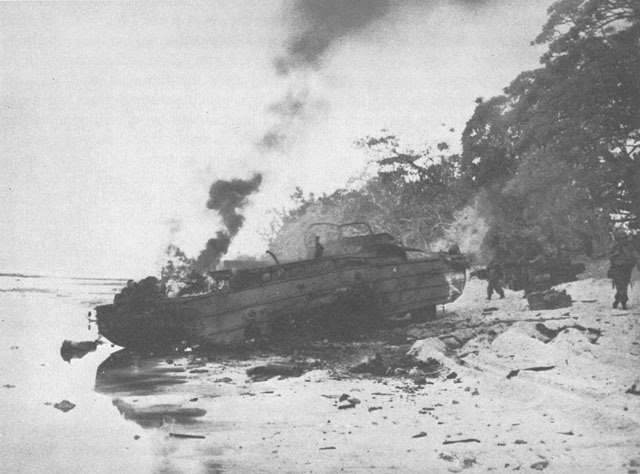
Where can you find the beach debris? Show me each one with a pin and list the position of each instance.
(451, 341)
(64, 406)
(199, 371)
(76, 350)
(633, 390)
(466, 440)
(430, 349)
(568, 433)
(549, 299)
(422, 434)
(370, 365)
(346, 406)
(8, 385)
(592, 334)
(186, 436)
(327, 447)
(264, 372)
(224, 380)
(540, 466)
(447, 457)
(375, 408)
(515, 372)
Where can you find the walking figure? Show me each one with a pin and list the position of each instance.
(494, 274)
(623, 258)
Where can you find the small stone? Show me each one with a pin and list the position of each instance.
(539, 466)
(64, 406)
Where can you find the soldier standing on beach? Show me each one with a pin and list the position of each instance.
(623, 258)
(494, 274)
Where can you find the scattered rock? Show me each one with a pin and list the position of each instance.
(540, 466)
(633, 390)
(224, 380)
(64, 406)
(422, 434)
(447, 457)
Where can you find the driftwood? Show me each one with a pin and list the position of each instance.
(184, 435)
(466, 440)
(515, 372)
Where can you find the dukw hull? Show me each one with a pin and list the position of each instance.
(385, 286)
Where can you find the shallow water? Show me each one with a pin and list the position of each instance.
(125, 407)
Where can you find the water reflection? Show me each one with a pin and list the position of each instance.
(154, 416)
(131, 374)
(126, 375)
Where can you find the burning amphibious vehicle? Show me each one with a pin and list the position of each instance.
(349, 270)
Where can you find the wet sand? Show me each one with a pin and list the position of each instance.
(194, 413)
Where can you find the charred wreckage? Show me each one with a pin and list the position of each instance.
(355, 277)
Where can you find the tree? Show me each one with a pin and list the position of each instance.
(411, 195)
(565, 137)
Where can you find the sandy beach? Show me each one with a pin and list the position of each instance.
(189, 412)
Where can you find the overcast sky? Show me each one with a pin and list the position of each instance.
(116, 118)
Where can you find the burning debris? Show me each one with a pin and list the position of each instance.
(226, 197)
(183, 275)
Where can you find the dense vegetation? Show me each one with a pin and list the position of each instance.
(554, 160)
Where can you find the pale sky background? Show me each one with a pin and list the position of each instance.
(115, 118)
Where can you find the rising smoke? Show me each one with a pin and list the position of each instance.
(316, 27)
(226, 197)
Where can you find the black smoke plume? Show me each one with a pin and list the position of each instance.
(316, 26)
(319, 24)
(226, 197)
